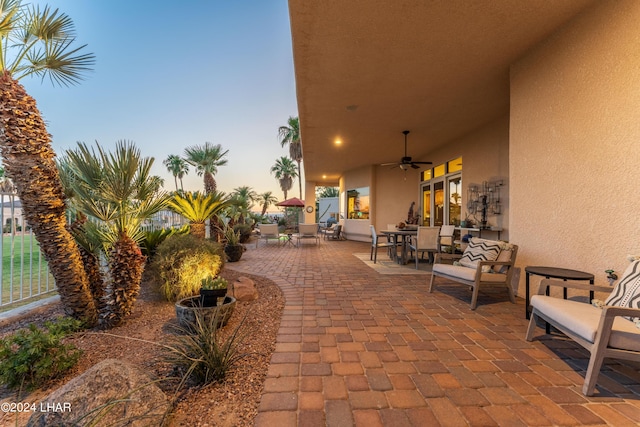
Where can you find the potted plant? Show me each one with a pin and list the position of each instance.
(233, 248)
(212, 289)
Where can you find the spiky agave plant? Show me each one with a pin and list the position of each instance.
(39, 42)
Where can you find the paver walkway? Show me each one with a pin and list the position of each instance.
(358, 348)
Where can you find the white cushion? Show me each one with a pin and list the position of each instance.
(466, 273)
(583, 320)
(480, 250)
(627, 290)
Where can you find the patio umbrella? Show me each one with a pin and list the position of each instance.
(294, 202)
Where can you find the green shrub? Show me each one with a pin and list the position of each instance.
(152, 239)
(182, 261)
(33, 356)
(199, 352)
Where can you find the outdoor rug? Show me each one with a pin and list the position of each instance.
(388, 266)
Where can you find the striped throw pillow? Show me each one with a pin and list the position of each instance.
(480, 250)
(627, 290)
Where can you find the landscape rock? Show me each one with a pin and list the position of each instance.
(90, 398)
(244, 289)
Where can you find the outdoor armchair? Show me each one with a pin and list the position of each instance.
(485, 263)
(308, 231)
(606, 331)
(268, 231)
(334, 232)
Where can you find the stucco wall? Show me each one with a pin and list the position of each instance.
(575, 144)
(395, 190)
(485, 157)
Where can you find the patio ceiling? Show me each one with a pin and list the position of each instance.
(368, 69)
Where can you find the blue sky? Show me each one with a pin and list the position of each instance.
(169, 75)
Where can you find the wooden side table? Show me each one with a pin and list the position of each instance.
(555, 273)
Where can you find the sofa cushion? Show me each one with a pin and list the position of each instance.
(583, 320)
(466, 273)
(480, 250)
(627, 290)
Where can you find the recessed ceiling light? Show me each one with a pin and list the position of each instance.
(324, 176)
(338, 141)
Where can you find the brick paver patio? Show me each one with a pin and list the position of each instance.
(358, 348)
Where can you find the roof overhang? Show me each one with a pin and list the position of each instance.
(368, 69)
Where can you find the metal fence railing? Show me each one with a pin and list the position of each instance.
(23, 270)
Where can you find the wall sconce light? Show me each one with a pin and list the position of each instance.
(484, 199)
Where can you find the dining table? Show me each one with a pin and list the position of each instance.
(403, 237)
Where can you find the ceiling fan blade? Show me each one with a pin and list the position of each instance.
(414, 166)
(423, 163)
(390, 164)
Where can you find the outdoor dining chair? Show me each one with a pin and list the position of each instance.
(375, 244)
(425, 241)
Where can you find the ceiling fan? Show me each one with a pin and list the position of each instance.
(405, 162)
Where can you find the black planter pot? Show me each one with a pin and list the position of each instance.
(187, 308)
(234, 253)
(209, 297)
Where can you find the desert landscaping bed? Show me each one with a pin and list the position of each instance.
(231, 403)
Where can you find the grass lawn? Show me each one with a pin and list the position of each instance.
(24, 270)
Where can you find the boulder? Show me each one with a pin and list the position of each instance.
(244, 289)
(111, 393)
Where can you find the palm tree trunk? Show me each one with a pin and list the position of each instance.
(197, 229)
(126, 265)
(29, 162)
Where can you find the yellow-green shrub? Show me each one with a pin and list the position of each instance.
(182, 261)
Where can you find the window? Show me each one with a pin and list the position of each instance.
(358, 203)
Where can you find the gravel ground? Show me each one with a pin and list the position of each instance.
(233, 402)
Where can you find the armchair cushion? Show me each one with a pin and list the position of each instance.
(480, 250)
(627, 290)
(466, 273)
(583, 320)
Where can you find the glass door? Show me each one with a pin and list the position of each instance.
(455, 200)
(438, 203)
(426, 205)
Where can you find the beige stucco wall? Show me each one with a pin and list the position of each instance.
(575, 144)
(485, 157)
(309, 200)
(395, 190)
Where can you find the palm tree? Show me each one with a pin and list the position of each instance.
(40, 42)
(284, 170)
(290, 135)
(266, 199)
(178, 167)
(206, 159)
(197, 208)
(327, 192)
(118, 192)
(244, 197)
